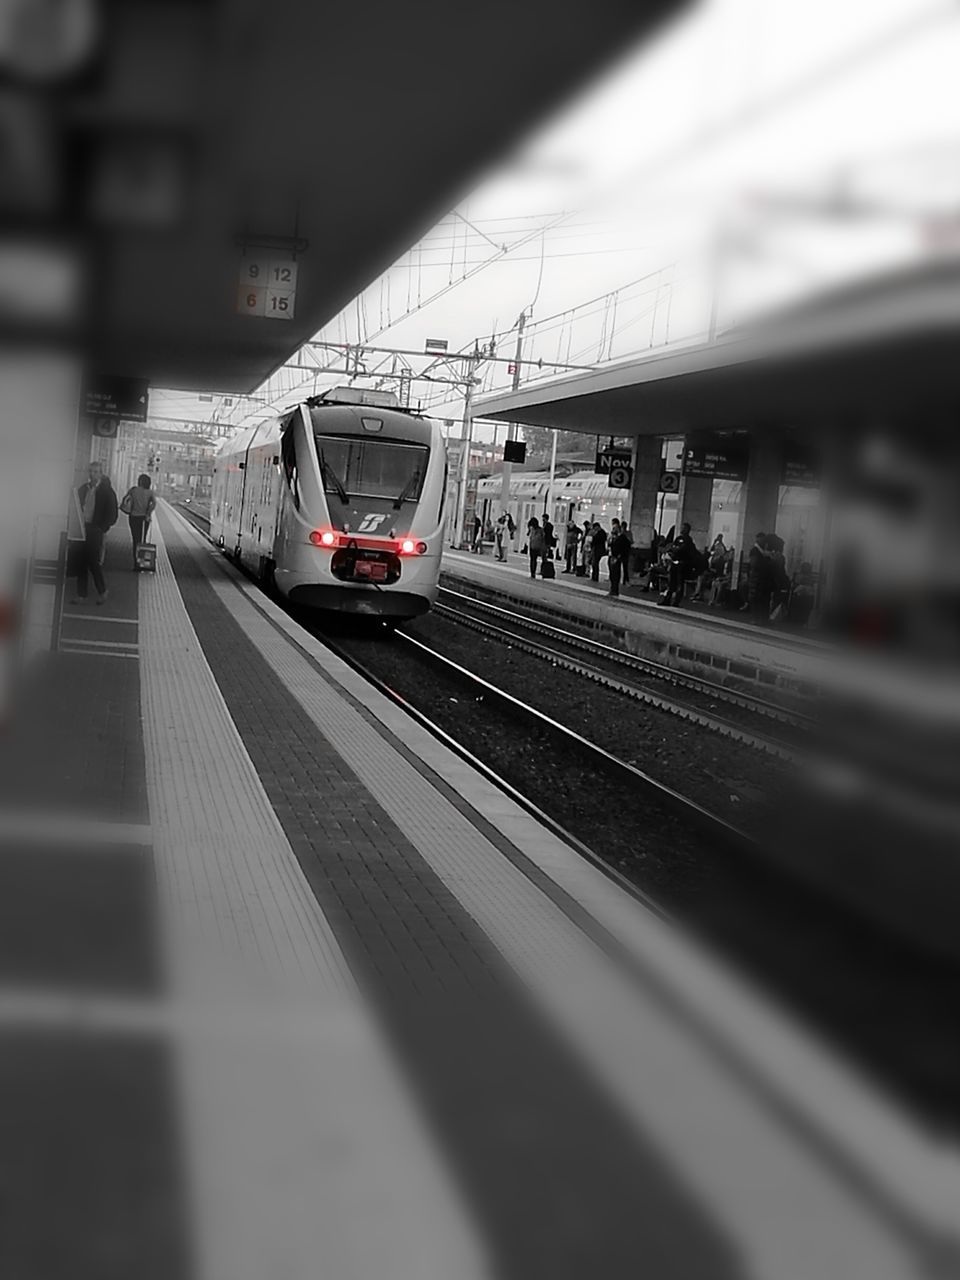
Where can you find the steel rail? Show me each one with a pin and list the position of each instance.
(728, 728)
(710, 822)
(658, 670)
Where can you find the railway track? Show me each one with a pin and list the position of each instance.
(700, 817)
(647, 667)
(645, 677)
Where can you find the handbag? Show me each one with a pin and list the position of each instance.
(126, 506)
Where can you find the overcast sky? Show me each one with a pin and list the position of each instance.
(739, 101)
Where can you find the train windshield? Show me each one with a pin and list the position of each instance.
(353, 468)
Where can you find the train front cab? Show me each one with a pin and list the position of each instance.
(360, 525)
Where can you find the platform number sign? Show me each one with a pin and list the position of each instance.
(267, 288)
(620, 477)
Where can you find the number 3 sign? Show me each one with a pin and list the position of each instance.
(267, 288)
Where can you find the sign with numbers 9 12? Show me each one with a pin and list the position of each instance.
(267, 288)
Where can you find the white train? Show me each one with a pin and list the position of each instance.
(583, 495)
(338, 504)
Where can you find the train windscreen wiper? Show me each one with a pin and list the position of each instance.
(335, 480)
(407, 491)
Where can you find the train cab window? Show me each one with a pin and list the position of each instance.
(353, 467)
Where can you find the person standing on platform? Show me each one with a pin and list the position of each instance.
(138, 506)
(572, 545)
(625, 559)
(618, 552)
(586, 546)
(653, 563)
(98, 509)
(779, 578)
(683, 554)
(549, 537)
(504, 534)
(598, 549)
(759, 580)
(535, 544)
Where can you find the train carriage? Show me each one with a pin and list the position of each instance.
(338, 504)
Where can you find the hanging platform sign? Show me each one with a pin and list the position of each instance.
(801, 465)
(717, 462)
(609, 459)
(267, 288)
(105, 397)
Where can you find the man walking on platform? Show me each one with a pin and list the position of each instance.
(98, 508)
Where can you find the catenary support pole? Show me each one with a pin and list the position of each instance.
(507, 471)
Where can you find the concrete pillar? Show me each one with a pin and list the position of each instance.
(642, 509)
(695, 498)
(760, 495)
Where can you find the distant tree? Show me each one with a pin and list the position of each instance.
(540, 443)
(578, 443)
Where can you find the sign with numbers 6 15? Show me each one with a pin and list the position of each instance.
(268, 287)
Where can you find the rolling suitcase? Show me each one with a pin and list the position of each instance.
(147, 557)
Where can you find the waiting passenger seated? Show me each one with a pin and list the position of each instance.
(802, 596)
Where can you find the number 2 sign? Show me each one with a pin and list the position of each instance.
(268, 288)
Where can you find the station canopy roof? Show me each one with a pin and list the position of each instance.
(885, 348)
(348, 128)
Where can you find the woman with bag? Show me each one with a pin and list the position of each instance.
(138, 505)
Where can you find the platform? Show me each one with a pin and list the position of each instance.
(288, 989)
(711, 642)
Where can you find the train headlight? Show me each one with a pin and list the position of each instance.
(421, 548)
(408, 546)
(323, 539)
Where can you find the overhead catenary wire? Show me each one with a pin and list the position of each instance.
(892, 37)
